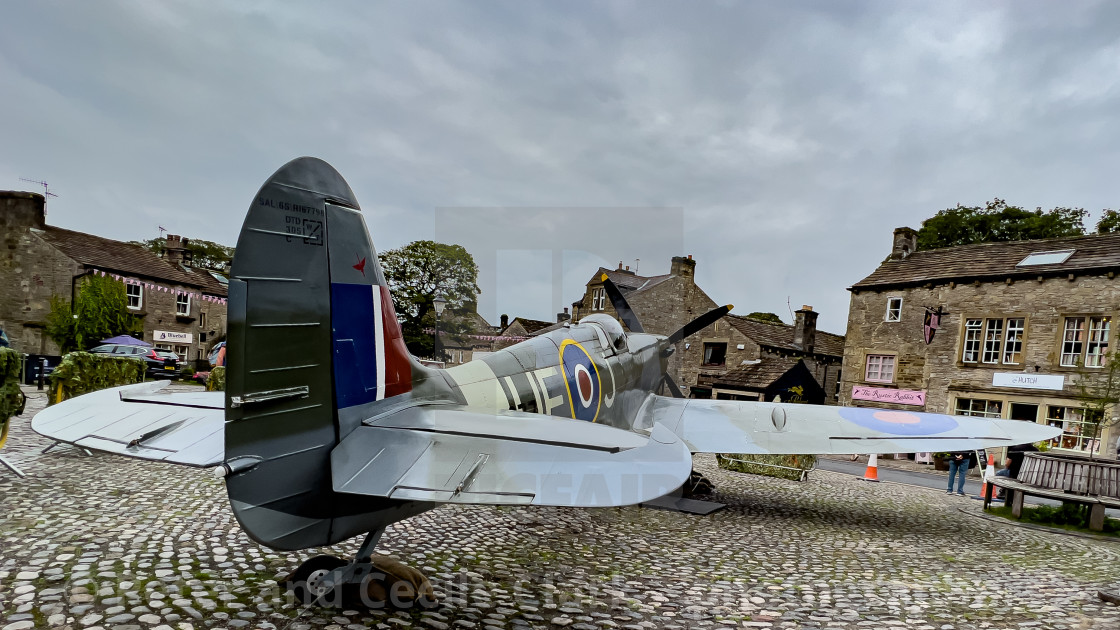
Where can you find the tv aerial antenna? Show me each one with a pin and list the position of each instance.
(46, 190)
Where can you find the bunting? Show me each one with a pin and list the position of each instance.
(160, 288)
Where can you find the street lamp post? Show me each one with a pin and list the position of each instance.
(439, 303)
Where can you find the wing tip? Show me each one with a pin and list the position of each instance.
(603, 278)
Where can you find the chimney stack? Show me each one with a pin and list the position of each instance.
(682, 266)
(805, 328)
(905, 243)
(505, 321)
(175, 250)
(23, 209)
(563, 317)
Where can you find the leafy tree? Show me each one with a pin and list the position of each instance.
(418, 273)
(1110, 222)
(997, 221)
(1098, 389)
(204, 254)
(765, 317)
(101, 311)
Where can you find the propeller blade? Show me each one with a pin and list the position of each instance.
(621, 306)
(700, 323)
(671, 385)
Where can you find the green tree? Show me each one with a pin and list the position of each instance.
(765, 317)
(997, 221)
(418, 273)
(1110, 222)
(1098, 389)
(204, 254)
(100, 312)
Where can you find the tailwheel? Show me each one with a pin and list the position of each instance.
(306, 582)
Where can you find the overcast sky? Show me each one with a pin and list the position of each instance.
(780, 142)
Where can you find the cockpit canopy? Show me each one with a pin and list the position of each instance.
(616, 338)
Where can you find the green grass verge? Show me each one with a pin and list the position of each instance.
(1068, 516)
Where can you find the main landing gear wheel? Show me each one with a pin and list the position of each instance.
(306, 582)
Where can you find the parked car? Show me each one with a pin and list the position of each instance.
(161, 363)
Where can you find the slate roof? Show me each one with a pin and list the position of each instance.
(759, 375)
(995, 261)
(126, 258)
(780, 336)
(530, 325)
(628, 282)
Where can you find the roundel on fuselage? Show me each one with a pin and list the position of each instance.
(582, 378)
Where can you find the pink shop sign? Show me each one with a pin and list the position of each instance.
(887, 395)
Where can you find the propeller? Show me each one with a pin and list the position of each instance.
(621, 306)
(671, 385)
(700, 323)
(630, 318)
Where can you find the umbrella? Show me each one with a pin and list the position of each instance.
(126, 341)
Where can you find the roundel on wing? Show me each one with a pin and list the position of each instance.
(582, 378)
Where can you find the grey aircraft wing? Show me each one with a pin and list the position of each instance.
(141, 421)
(728, 426)
(449, 454)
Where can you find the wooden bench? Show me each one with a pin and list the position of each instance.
(1017, 490)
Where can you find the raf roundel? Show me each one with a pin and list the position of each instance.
(582, 380)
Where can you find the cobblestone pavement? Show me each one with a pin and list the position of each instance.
(108, 542)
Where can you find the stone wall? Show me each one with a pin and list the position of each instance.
(937, 367)
(31, 271)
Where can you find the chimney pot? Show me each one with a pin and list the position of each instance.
(683, 266)
(505, 321)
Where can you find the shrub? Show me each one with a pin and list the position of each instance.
(216, 382)
(83, 372)
(781, 466)
(11, 398)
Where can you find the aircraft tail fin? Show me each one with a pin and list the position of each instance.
(313, 342)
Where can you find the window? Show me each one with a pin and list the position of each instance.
(1098, 341)
(715, 353)
(894, 309)
(1085, 341)
(1013, 346)
(1046, 258)
(980, 408)
(971, 340)
(993, 341)
(202, 322)
(135, 295)
(1077, 427)
(183, 305)
(182, 352)
(880, 368)
(201, 337)
(598, 299)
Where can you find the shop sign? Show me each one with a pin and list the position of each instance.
(888, 395)
(169, 336)
(1028, 381)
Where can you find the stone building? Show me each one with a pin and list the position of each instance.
(741, 358)
(1002, 330)
(183, 309)
(664, 303)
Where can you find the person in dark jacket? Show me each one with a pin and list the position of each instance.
(958, 466)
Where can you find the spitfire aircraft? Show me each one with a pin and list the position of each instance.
(330, 429)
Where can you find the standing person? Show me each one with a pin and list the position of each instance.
(958, 465)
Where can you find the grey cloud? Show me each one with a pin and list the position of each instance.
(795, 136)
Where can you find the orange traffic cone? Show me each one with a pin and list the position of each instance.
(872, 473)
(986, 493)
